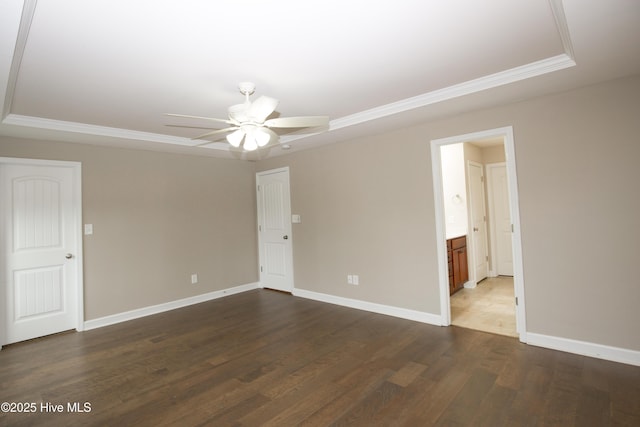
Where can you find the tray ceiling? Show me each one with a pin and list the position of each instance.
(105, 71)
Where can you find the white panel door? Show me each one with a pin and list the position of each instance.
(39, 250)
(274, 227)
(477, 213)
(501, 218)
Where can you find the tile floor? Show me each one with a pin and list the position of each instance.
(489, 307)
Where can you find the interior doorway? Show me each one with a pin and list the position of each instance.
(495, 142)
(41, 289)
(274, 229)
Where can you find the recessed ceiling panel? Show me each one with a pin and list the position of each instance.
(122, 64)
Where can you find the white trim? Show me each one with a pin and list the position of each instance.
(471, 284)
(501, 78)
(272, 171)
(599, 351)
(86, 129)
(14, 32)
(441, 250)
(445, 305)
(403, 313)
(76, 169)
(22, 12)
(77, 210)
(167, 306)
(537, 68)
(262, 258)
(514, 206)
(563, 26)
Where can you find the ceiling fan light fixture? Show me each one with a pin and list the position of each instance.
(262, 137)
(235, 138)
(250, 143)
(249, 125)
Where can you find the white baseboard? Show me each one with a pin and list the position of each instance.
(614, 354)
(402, 313)
(171, 305)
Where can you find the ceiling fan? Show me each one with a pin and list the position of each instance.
(249, 123)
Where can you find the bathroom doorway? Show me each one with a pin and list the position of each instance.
(489, 299)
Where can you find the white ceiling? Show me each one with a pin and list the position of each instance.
(105, 71)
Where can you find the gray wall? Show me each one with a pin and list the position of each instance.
(367, 208)
(157, 219)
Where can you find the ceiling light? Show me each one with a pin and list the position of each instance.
(235, 138)
(250, 121)
(262, 137)
(250, 143)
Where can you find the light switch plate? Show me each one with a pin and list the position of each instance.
(88, 229)
(296, 219)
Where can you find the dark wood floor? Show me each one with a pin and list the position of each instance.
(267, 358)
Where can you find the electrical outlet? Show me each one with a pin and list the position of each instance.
(355, 279)
(194, 279)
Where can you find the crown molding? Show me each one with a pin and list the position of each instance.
(538, 68)
(534, 69)
(87, 129)
(512, 75)
(17, 16)
(20, 31)
(563, 28)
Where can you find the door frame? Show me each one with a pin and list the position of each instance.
(76, 208)
(443, 276)
(261, 259)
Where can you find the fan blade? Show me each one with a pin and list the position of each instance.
(229, 122)
(192, 127)
(262, 108)
(209, 143)
(298, 122)
(225, 130)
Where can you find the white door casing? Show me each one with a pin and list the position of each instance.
(41, 251)
(507, 134)
(275, 237)
(478, 223)
(501, 235)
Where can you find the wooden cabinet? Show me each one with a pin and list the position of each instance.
(458, 267)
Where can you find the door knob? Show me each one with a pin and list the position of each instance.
(68, 256)
(285, 237)
(475, 228)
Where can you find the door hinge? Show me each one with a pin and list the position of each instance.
(516, 300)
(258, 188)
(261, 269)
(259, 227)
(512, 228)
(487, 257)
